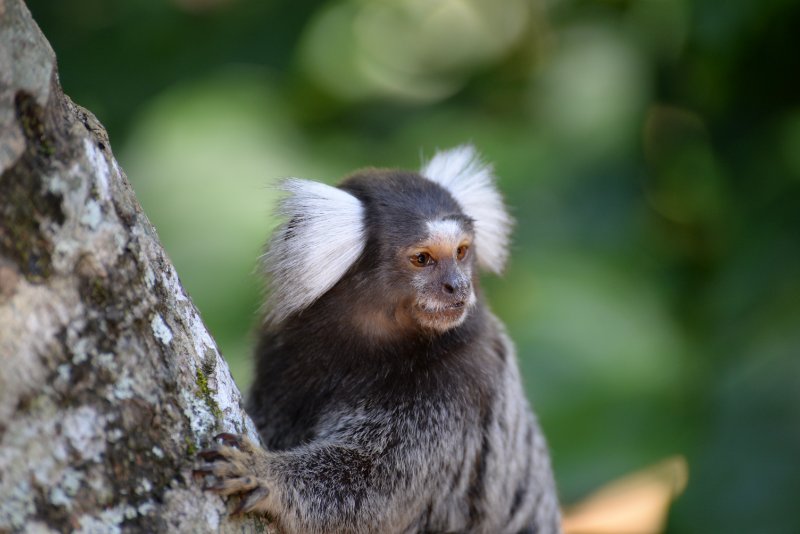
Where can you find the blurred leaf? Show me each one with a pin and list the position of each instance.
(635, 504)
(605, 331)
(592, 90)
(409, 50)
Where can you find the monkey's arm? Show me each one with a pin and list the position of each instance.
(324, 486)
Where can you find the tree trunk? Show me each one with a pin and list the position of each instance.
(109, 381)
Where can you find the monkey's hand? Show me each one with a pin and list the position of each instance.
(237, 466)
(325, 486)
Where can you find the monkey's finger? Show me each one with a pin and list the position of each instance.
(222, 470)
(244, 444)
(223, 453)
(214, 469)
(202, 471)
(231, 440)
(252, 501)
(231, 486)
(212, 455)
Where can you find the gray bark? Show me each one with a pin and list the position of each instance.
(109, 381)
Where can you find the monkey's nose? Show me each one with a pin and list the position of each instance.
(455, 290)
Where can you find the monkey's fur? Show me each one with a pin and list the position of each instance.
(386, 393)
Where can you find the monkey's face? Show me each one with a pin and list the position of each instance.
(440, 267)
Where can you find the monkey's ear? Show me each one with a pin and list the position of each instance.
(461, 171)
(323, 235)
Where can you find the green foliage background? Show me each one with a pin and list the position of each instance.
(649, 149)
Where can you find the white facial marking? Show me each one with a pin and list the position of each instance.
(471, 182)
(322, 237)
(446, 231)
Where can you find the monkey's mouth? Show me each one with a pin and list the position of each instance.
(441, 316)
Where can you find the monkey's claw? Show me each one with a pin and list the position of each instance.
(251, 501)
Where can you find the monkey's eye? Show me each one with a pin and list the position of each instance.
(421, 259)
(461, 252)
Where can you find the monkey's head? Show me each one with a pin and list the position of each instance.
(404, 245)
(418, 260)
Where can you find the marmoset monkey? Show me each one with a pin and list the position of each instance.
(386, 393)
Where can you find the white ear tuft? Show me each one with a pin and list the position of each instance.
(323, 235)
(471, 182)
